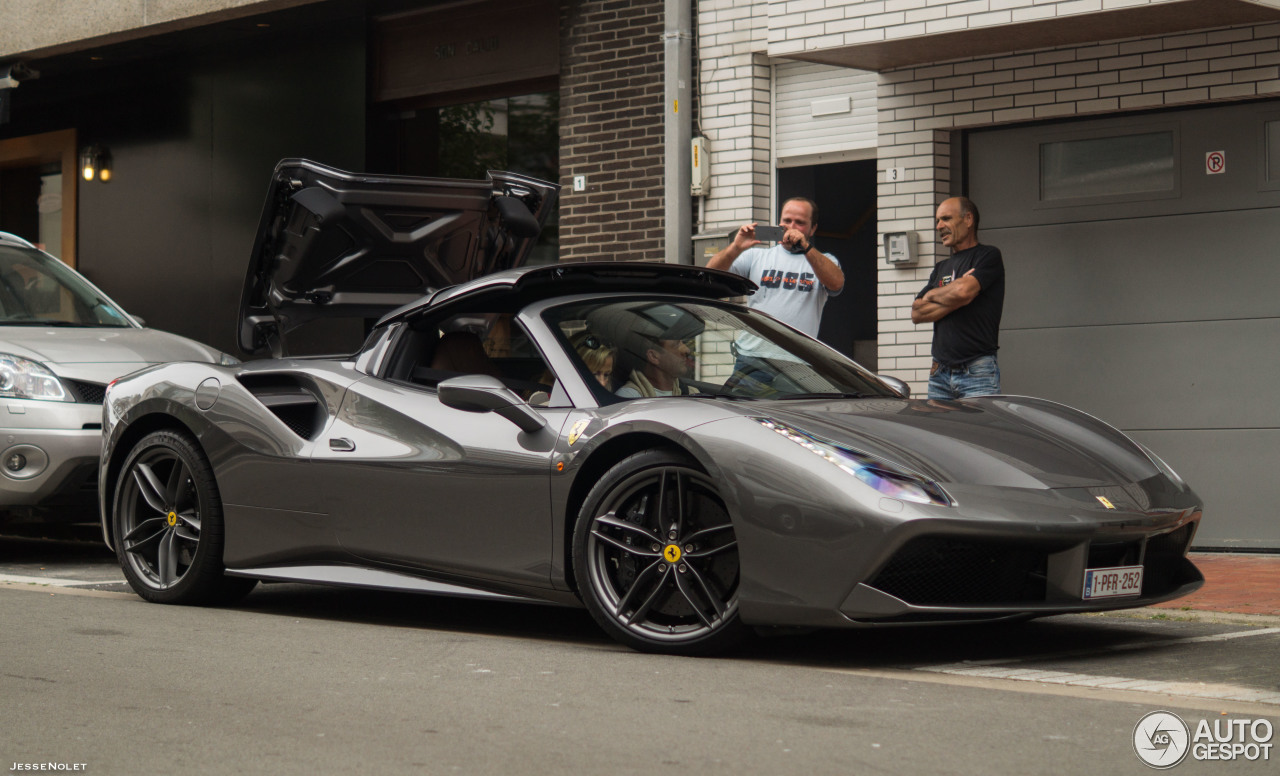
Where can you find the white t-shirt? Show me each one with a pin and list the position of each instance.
(631, 392)
(789, 290)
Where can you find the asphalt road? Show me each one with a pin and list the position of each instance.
(313, 680)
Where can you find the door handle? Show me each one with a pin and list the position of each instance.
(342, 445)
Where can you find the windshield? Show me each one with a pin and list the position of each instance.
(38, 290)
(645, 348)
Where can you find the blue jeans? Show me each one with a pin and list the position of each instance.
(979, 377)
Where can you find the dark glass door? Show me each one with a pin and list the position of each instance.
(465, 140)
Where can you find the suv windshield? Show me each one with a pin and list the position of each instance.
(38, 290)
(643, 348)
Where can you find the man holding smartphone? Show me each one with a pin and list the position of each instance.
(794, 277)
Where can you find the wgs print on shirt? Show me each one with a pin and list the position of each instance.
(804, 282)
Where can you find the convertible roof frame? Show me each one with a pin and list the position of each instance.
(534, 284)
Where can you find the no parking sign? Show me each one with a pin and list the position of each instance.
(1215, 162)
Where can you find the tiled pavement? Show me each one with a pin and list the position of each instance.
(1234, 582)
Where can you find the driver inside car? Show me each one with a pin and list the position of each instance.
(663, 363)
(656, 347)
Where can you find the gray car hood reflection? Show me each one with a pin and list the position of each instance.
(100, 353)
(1011, 442)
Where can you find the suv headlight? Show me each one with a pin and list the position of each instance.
(886, 478)
(23, 379)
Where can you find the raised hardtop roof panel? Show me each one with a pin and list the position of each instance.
(335, 244)
(532, 284)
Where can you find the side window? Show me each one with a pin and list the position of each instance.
(1081, 170)
(492, 344)
(598, 360)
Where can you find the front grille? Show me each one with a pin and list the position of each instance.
(1169, 546)
(89, 485)
(1110, 554)
(949, 571)
(1165, 565)
(86, 393)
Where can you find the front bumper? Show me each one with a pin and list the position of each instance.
(48, 453)
(951, 578)
(823, 558)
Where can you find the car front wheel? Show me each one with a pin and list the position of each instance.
(168, 526)
(656, 558)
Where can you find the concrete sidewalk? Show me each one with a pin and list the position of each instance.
(1239, 583)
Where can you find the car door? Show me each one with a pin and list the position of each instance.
(415, 483)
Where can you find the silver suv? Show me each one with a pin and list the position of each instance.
(61, 341)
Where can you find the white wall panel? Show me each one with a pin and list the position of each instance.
(820, 109)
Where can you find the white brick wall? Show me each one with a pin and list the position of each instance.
(803, 25)
(733, 111)
(918, 108)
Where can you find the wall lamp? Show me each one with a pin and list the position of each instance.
(95, 163)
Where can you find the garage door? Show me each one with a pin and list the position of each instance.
(1143, 260)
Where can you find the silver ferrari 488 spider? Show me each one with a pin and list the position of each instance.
(626, 437)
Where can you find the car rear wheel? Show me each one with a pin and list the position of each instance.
(656, 558)
(168, 526)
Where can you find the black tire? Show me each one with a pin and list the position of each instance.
(167, 519)
(656, 558)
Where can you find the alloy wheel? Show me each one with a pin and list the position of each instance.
(662, 557)
(159, 517)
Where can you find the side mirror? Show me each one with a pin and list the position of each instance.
(482, 393)
(896, 385)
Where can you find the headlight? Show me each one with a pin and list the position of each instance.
(1164, 468)
(884, 477)
(226, 359)
(23, 379)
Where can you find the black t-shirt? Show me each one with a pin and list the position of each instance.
(971, 331)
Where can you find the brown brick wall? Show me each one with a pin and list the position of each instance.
(611, 129)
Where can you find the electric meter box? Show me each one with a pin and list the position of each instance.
(701, 159)
(900, 247)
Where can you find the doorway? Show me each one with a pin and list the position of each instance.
(38, 191)
(845, 193)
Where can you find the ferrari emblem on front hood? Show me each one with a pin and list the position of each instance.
(1106, 502)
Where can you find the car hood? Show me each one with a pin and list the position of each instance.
(100, 354)
(1008, 441)
(347, 245)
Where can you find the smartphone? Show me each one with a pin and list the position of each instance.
(770, 233)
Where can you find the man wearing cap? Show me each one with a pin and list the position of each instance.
(652, 346)
(664, 363)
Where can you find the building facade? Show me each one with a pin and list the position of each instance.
(193, 103)
(1124, 157)
(1125, 154)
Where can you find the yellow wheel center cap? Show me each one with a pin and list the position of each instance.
(172, 519)
(672, 553)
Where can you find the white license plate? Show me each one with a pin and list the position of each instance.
(1112, 582)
